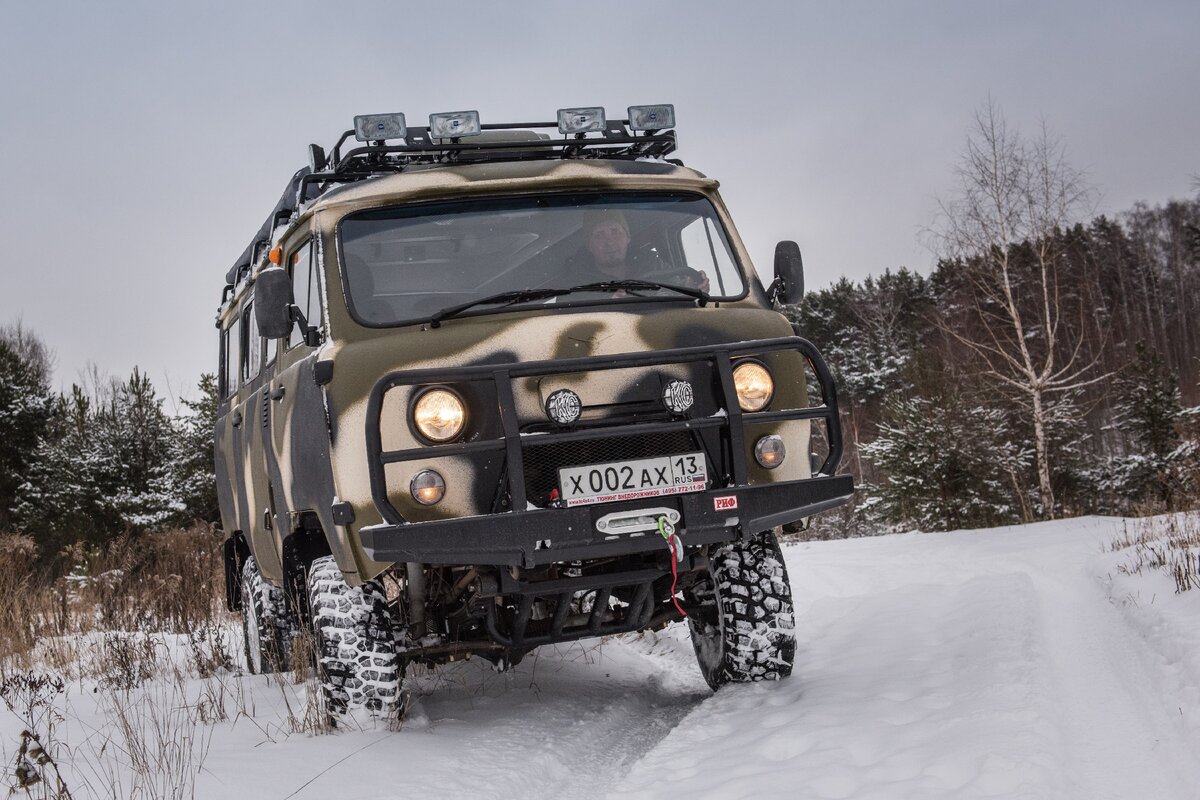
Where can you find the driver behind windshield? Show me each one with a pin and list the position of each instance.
(606, 256)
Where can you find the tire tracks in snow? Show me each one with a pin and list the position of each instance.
(564, 724)
(958, 665)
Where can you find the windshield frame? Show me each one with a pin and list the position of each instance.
(564, 301)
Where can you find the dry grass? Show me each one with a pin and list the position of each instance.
(139, 622)
(165, 582)
(131, 651)
(1168, 543)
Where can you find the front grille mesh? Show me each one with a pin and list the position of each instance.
(542, 461)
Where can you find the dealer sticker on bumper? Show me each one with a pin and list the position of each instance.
(633, 480)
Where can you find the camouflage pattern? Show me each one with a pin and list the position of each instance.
(302, 446)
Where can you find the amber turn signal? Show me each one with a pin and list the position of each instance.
(769, 451)
(427, 487)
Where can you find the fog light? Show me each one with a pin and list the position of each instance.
(427, 487)
(769, 451)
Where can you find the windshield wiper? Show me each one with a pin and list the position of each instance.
(633, 284)
(525, 295)
(507, 298)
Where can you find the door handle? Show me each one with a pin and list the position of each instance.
(237, 419)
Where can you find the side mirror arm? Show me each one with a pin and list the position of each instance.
(311, 333)
(775, 293)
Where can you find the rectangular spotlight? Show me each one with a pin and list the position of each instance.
(651, 118)
(452, 124)
(580, 120)
(378, 127)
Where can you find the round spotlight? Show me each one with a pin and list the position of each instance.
(439, 415)
(769, 451)
(678, 396)
(754, 385)
(427, 487)
(564, 406)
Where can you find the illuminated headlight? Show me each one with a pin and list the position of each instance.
(427, 487)
(439, 415)
(453, 124)
(651, 118)
(769, 451)
(753, 384)
(580, 120)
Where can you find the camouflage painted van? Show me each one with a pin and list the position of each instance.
(488, 387)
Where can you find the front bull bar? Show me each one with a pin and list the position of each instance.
(531, 537)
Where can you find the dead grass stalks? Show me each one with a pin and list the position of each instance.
(1168, 543)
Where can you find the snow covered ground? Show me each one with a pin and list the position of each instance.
(1013, 662)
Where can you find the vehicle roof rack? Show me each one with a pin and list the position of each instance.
(496, 142)
(616, 141)
(289, 203)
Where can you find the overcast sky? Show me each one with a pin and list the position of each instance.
(145, 142)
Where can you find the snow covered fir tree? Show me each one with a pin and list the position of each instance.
(923, 411)
(936, 438)
(89, 465)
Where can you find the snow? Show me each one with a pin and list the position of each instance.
(1013, 662)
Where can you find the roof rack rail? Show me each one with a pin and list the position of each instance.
(615, 141)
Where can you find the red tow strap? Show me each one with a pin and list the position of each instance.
(667, 531)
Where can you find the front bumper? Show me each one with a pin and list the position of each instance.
(544, 536)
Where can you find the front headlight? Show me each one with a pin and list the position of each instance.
(753, 384)
(439, 415)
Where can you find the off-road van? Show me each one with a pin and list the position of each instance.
(486, 387)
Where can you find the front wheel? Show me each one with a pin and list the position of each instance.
(356, 644)
(740, 614)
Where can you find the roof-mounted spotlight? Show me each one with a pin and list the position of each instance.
(378, 127)
(651, 118)
(453, 124)
(317, 160)
(580, 120)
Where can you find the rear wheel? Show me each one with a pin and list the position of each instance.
(355, 644)
(267, 623)
(740, 614)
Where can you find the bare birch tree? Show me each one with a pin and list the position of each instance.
(1014, 195)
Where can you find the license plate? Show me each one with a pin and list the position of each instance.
(633, 480)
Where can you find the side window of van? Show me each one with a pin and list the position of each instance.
(251, 345)
(231, 357)
(306, 289)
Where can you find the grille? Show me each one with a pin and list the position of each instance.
(542, 461)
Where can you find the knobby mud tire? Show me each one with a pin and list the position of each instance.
(357, 662)
(268, 624)
(741, 619)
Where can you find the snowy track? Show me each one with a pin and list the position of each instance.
(986, 664)
(967, 665)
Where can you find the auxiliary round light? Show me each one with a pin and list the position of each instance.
(678, 396)
(439, 415)
(427, 487)
(754, 385)
(564, 406)
(769, 451)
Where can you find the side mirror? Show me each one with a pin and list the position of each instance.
(273, 303)
(788, 286)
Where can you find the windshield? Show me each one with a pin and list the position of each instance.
(405, 264)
